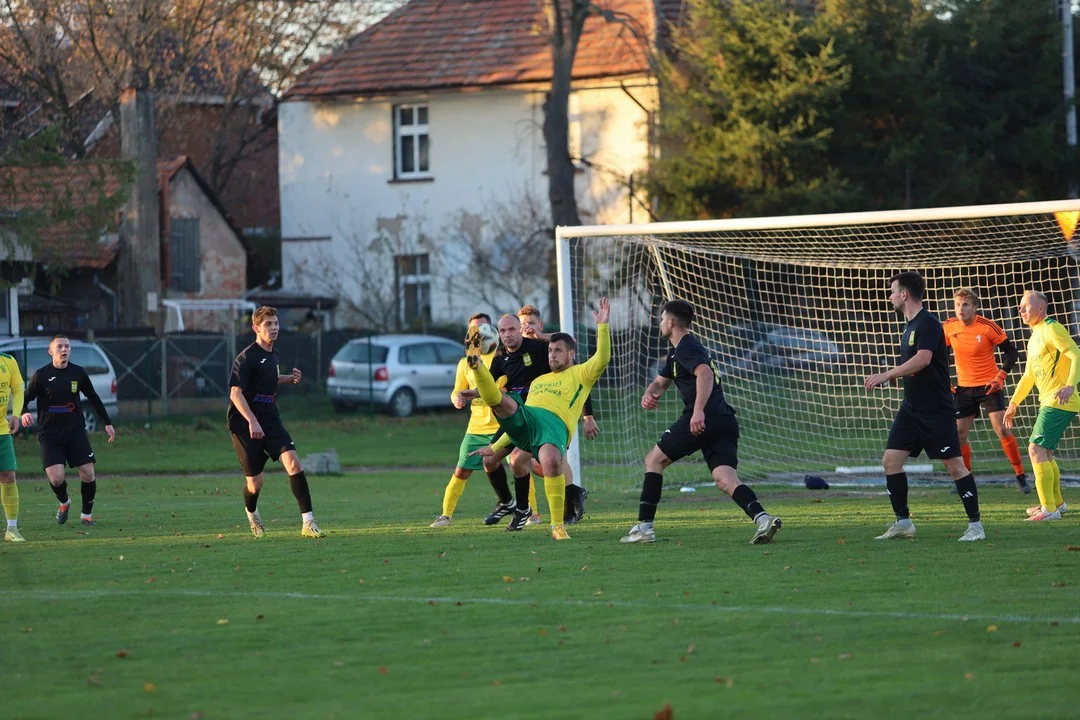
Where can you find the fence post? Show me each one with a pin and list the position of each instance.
(164, 375)
(371, 379)
(149, 383)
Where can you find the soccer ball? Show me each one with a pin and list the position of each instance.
(489, 338)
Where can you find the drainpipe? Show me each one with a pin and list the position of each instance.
(115, 303)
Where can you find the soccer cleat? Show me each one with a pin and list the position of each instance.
(87, 521)
(1036, 509)
(12, 534)
(972, 534)
(442, 521)
(766, 528)
(536, 519)
(62, 513)
(311, 530)
(575, 509)
(255, 522)
(1043, 515)
(519, 520)
(897, 531)
(558, 532)
(472, 348)
(638, 534)
(1022, 483)
(501, 510)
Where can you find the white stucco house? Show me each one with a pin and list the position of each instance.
(412, 163)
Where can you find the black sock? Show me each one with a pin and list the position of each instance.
(300, 491)
(650, 496)
(60, 491)
(89, 489)
(897, 486)
(969, 495)
(521, 489)
(745, 498)
(500, 485)
(251, 500)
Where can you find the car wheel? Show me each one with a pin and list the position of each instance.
(341, 407)
(90, 418)
(402, 403)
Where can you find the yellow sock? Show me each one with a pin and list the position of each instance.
(555, 489)
(1058, 500)
(532, 494)
(1044, 473)
(489, 391)
(454, 488)
(9, 496)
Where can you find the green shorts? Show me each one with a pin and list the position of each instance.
(531, 427)
(1050, 426)
(468, 444)
(7, 454)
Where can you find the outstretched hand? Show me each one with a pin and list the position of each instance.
(485, 451)
(603, 312)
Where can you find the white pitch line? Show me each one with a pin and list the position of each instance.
(46, 595)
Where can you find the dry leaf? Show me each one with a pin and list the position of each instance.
(150, 579)
(991, 628)
(843, 656)
(149, 687)
(122, 653)
(1073, 548)
(664, 714)
(223, 621)
(1016, 644)
(691, 648)
(969, 676)
(507, 579)
(383, 670)
(584, 568)
(1057, 584)
(841, 541)
(725, 681)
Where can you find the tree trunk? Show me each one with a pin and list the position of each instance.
(139, 267)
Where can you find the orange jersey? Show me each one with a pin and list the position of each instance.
(973, 348)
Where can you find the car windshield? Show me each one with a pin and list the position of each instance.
(362, 352)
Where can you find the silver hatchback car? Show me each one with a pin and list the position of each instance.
(398, 373)
(33, 353)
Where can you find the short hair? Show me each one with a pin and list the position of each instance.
(912, 282)
(966, 293)
(681, 311)
(564, 337)
(481, 316)
(261, 313)
(1040, 295)
(529, 310)
(508, 316)
(57, 337)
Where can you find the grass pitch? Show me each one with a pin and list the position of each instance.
(169, 609)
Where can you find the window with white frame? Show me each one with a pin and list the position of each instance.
(411, 142)
(414, 290)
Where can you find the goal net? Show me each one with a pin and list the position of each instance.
(795, 310)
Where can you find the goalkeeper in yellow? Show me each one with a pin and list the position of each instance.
(1053, 366)
(11, 399)
(544, 425)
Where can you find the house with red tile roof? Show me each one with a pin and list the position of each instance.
(397, 150)
(203, 253)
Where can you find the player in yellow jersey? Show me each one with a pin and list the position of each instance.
(11, 399)
(544, 424)
(482, 428)
(1053, 367)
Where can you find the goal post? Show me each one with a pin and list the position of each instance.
(795, 310)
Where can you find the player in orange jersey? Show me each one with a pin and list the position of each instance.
(980, 383)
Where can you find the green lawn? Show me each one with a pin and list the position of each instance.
(169, 609)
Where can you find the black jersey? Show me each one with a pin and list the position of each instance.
(680, 366)
(929, 390)
(524, 365)
(59, 412)
(255, 372)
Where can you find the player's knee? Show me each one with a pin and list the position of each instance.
(86, 474)
(656, 460)
(7, 478)
(462, 473)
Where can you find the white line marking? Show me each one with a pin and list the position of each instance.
(46, 595)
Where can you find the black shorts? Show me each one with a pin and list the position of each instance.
(719, 444)
(73, 450)
(254, 453)
(969, 400)
(936, 434)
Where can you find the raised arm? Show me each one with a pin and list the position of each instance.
(595, 365)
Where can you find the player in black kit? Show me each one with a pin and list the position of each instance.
(256, 427)
(61, 428)
(707, 424)
(927, 416)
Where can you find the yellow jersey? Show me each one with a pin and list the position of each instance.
(1053, 361)
(563, 393)
(11, 390)
(481, 420)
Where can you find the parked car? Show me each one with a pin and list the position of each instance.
(789, 349)
(33, 353)
(399, 373)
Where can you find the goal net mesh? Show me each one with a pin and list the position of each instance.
(797, 318)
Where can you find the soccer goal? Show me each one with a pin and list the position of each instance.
(796, 311)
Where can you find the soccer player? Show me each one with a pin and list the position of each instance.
(11, 399)
(980, 384)
(707, 424)
(255, 424)
(61, 428)
(543, 425)
(480, 432)
(1053, 366)
(927, 416)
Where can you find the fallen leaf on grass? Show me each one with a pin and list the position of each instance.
(1016, 644)
(843, 656)
(223, 621)
(664, 713)
(383, 670)
(1073, 548)
(969, 676)
(150, 579)
(1057, 584)
(507, 579)
(725, 681)
(841, 541)
(691, 648)
(95, 679)
(149, 687)
(584, 568)
(122, 653)
(991, 628)
(220, 536)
